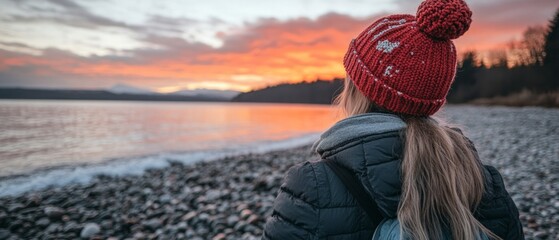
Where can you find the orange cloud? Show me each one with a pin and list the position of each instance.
(264, 53)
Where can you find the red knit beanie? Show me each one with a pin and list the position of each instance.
(406, 64)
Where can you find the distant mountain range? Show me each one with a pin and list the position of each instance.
(201, 92)
(320, 92)
(224, 94)
(117, 92)
(127, 89)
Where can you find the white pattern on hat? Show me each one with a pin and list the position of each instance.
(387, 71)
(387, 46)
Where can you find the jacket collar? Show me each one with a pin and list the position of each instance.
(356, 127)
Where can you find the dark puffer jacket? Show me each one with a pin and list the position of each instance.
(314, 204)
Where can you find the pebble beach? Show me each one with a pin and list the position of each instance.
(231, 198)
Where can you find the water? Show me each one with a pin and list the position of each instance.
(36, 135)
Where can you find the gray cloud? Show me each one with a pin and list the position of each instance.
(500, 12)
(69, 13)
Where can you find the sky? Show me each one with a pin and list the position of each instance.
(169, 45)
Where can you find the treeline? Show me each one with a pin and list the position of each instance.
(320, 92)
(528, 65)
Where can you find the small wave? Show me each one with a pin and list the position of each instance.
(135, 166)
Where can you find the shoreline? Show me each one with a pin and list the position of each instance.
(229, 197)
(82, 173)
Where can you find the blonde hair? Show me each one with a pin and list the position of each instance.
(442, 179)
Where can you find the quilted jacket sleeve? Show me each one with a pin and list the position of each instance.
(295, 214)
(514, 228)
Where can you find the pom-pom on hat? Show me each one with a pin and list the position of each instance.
(405, 63)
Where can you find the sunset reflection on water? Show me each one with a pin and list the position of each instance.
(36, 134)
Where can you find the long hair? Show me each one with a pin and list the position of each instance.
(442, 179)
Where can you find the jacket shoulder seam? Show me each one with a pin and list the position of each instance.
(355, 141)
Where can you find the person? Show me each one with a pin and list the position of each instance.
(424, 177)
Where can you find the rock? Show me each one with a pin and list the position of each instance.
(165, 199)
(53, 228)
(541, 234)
(245, 213)
(220, 236)
(3, 217)
(533, 225)
(71, 227)
(253, 219)
(203, 216)
(33, 201)
(189, 216)
(54, 213)
(43, 222)
(232, 220)
(182, 226)
(89, 230)
(213, 195)
(107, 224)
(4, 233)
(15, 225)
(147, 191)
(240, 226)
(12, 208)
(152, 224)
(139, 235)
(249, 236)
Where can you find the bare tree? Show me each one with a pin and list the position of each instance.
(497, 58)
(534, 41)
(530, 50)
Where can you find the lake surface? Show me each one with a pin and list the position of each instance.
(38, 134)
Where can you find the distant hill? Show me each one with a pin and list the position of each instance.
(24, 93)
(121, 88)
(320, 92)
(224, 95)
(219, 94)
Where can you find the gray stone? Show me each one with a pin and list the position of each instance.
(53, 212)
(3, 217)
(253, 219)
(71, 227)
(220, 236)
(182, 226)
(189, 216)
(213, 195)
(54, 227)
(541, 234)
(4, 233)
(43, 222)
(232, 220)
(165, 199)
(152, 224)
(89, 230)
(15, 207)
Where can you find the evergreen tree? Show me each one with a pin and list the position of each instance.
(551, 59)
(462, 89)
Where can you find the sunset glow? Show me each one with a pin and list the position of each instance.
(166, 47)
